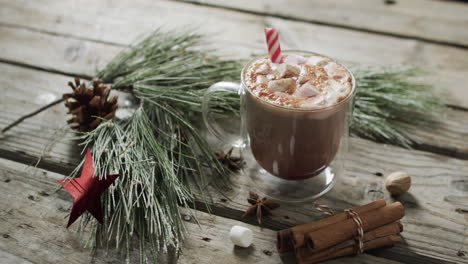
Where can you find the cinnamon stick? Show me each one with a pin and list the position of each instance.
(349, 250)
(291, 238)
(386, 230)
(336, 233)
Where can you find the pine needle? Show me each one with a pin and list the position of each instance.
(388, 101)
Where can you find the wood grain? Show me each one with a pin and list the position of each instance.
(12, 259)
(34, 212)
(438, 194)
(32, 218)
(429, 20)
(53, 53)
(238, 34)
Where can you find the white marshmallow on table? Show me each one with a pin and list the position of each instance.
(287, 70)
(280, 85)
(241, 236)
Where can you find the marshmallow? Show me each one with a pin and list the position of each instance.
(306, 90)
(294, 59)
(261, 79)
(303, 79)
(313, 103)
(241, 236)
(263, 69)
(307, 73)
(335, 70)
(335, 86)
(288, 70)
(314, 60)
(281, 85)
(270, 76)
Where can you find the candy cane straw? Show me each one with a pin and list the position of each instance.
(274, 49)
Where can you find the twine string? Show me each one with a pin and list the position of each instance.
(351, 214)
(324, 209)
(358, 221)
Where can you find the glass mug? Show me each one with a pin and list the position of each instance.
(291, 154)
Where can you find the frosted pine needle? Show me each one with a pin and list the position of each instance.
(388, 101)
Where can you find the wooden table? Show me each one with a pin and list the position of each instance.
(44, 43)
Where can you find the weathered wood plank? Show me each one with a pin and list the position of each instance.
(430, 20)
(439, 187)
(54, 53)
(33, 229)
(12, 259)
(241, 35)
(449, 138)
(33, 216)
(44, 142)
(84, 57)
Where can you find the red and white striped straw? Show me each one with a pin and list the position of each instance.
(274, 49)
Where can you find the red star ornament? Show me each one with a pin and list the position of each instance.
(87, 190)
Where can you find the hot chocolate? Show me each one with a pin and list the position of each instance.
(296, 112)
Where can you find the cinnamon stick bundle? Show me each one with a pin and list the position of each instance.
(386, 230)
(336, 236)
(305, 258)
(339, 232)
(289, 239)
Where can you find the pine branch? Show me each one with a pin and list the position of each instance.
(389, 101)
(143, 205)
(162, 158)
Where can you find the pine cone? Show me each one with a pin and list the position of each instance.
(89, 106)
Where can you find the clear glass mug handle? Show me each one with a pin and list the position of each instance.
(212, 125)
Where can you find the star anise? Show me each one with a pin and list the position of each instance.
(229, 160)
(260, 207)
